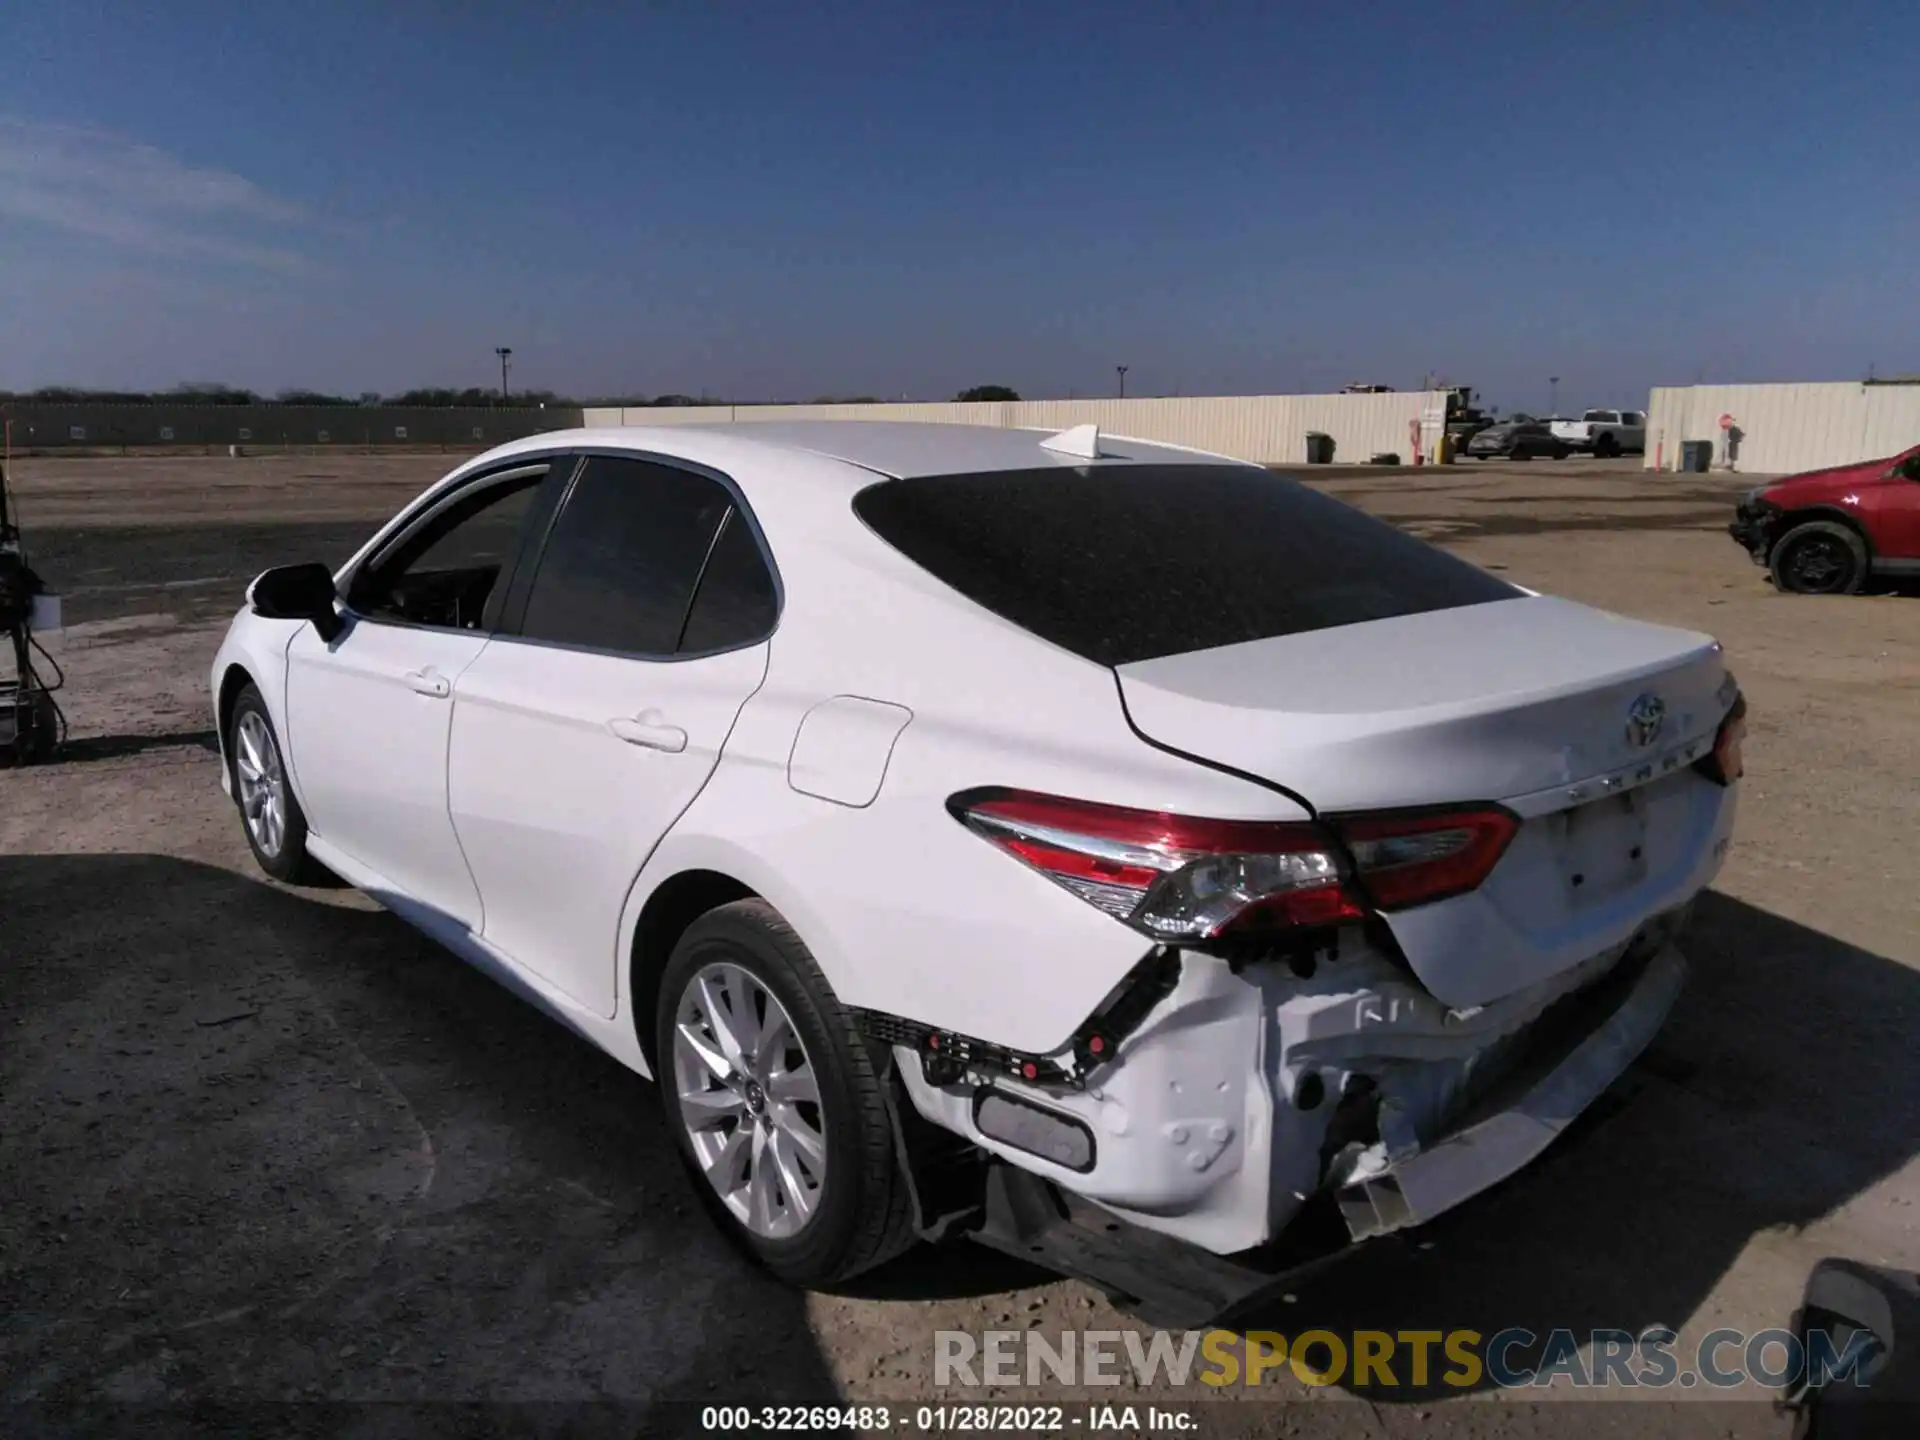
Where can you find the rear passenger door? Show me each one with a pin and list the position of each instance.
(590, 724)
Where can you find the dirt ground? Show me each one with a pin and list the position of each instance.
(259, 1144)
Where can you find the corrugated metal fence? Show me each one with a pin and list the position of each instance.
(1779, 429)
(39, 426)
(1271, 429)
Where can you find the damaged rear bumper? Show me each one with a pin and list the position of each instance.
(1251, 1088)
(1258, 1102)
(1528, 1111)
(1570, 1058)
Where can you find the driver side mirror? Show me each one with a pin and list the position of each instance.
(1910, 467)
(298, 592)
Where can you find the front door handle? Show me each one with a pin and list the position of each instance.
(651, 731)
(430, 682)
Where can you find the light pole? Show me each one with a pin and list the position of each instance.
(1123, 380)
(1553, 395)
(505, 352)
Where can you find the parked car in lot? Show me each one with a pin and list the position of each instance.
(1516, 440)
(1826, 532)
(1605, 432)
(1111, 852)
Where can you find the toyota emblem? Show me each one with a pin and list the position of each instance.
(1645, 717)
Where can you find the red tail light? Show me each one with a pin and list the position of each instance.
(1177, 877)
(1408, 860)
(1727, 761)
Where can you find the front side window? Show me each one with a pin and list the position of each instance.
(448, 572)
(621, 565)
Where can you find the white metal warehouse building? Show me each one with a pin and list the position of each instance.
(1778, 429)
(1269, 429)
(1775, 429)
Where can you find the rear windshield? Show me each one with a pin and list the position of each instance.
(1121, 563)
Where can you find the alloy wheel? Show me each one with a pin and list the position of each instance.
(263, 783)
(1819, 565)
(749, 1100)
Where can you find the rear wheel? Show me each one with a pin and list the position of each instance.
(1606, 447)
(270, 813)
(1821, 557)
(775, 1102)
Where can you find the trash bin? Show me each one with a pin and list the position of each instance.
(1696, 456)
(1319, 448)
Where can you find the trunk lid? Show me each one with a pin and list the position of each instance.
(1480, 702)
(1530, 702)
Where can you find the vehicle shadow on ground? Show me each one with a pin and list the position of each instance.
(118, 747)
(1785, 1084)
(260, 1145)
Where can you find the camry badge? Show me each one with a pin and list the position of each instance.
(1645, 716)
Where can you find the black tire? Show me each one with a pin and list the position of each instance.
(1820, 557)
(1606, 447)
(863, 1214)
(1560, 452)
(287, 860)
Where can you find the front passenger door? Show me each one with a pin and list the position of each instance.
(583, 733)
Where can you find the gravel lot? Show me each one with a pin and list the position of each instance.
(259, 1144)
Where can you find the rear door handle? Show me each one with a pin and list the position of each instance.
(649, 730)
(430, 682)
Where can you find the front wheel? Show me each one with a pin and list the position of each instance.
(775, 1102)
(270, 813)
(1821, 557)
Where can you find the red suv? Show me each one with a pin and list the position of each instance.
(1825, 532)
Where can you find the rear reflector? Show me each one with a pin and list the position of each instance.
(1035, 1129)
(1178, 877)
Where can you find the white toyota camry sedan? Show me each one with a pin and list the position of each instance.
(1126, 856)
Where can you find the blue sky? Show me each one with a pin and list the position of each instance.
(785, 201)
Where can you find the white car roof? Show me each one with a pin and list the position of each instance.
(895, 448)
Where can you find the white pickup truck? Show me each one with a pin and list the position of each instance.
(1605, 432)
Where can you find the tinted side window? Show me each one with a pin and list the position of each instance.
(736, 604)
(619, 568)
(1120, 563)
(448, 572)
